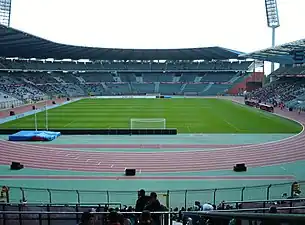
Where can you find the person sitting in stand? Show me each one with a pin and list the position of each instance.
(145, 218)
(87, 219)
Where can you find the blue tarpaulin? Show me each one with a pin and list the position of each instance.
(34, 136)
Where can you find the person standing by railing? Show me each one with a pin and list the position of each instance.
(142, 201)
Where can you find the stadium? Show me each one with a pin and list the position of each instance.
(193, 124)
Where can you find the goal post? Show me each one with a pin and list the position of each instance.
(147, 123)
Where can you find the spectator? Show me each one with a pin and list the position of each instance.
(142, 201)
(207, 207)
(145, 218)
(154, 206)
(273, 209)
(87, 219)
(197, 203)
(114, 218)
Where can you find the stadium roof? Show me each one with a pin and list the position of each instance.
(15, 43)
(280, 54)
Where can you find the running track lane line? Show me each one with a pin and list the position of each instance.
(288, 150)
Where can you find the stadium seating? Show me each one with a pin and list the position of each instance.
(27, 80)
(287, 90)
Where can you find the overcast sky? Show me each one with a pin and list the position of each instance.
(235, 24)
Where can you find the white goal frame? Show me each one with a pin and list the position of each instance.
(148, 120)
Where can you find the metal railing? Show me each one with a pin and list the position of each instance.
(194, 217)
(224, 217)
(49, 218)
(176, 198)
(9, 103)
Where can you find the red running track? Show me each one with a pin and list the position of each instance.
(26, 108)
(47, 157)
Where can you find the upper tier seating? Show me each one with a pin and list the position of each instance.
(97, 77)
(297, 70)
(115, 65)
(218, 77)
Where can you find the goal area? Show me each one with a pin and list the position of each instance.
(149, 123)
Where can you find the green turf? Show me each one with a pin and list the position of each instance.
(187, 115)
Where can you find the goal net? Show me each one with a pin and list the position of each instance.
(153, 123)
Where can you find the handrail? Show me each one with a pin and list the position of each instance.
(62, 204)
(74, 213)
(173, 190)
(252, 216)
(269, 200)
(250, 210)
(164, 212)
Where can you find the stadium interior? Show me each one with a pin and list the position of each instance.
(79, 174)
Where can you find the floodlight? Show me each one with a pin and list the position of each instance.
(272, 20)
(272, 14)
(5, 12)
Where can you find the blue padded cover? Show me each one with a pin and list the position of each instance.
(34, 136)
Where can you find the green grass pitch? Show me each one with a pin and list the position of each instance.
(187, 115)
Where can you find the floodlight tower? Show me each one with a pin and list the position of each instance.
(272, 20)
(5, 12)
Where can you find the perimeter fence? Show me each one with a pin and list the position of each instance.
(171, 198)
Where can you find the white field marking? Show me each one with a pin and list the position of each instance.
(279, 115)
(99, 163)
(111, 166)
(68, 124)
(231, 125)
(188, 128)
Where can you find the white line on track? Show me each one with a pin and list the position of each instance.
(99, 163)
(111, 166)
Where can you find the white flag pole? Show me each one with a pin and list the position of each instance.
(35, 117)
(47, 122)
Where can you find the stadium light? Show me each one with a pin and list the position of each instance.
(273, 21)
(5, 12)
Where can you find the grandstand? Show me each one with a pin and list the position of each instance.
(206, 72)
(55, 172)
(287, 86)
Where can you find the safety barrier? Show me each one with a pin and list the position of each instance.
(166, 218)
(176, 198)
